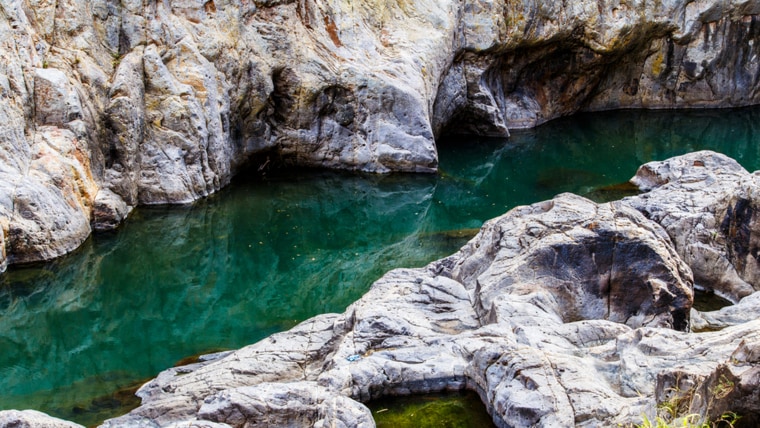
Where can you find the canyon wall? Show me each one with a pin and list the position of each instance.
(106, 105)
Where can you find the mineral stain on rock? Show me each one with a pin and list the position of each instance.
(737, 227)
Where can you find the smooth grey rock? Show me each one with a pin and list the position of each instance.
(278, 404)
(707, 203)
(32, 419)
(108, 210)
(573, 259)
(126, 117)
(293, 356)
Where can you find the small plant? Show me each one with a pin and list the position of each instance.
(726, 420)
(115, 59)
(688, 421)
(674, 412)
(723, 388)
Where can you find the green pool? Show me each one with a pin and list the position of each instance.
(78, 334)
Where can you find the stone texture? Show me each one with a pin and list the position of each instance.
(55, 100)
(108, 210)
(32, 419)
(169, 100)
(51, 206)
(595, 261)
(277, 404)
(746, 310)
(707, 203)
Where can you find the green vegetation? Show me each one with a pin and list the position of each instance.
(728, 420)
(452, 410)
(115, 59)
(674, 412)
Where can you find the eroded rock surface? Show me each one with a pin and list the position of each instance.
(32, 419)
(107, 105)
(708, 204)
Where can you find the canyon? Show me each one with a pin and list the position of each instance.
(562, 313)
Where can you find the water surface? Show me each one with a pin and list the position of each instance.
(443, 410)
(264, 254)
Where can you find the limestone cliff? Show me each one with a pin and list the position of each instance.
(108, 104)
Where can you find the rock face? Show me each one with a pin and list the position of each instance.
(708, 203)
(576, 260)
(106, 105)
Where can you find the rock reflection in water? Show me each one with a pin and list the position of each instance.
(175, 281)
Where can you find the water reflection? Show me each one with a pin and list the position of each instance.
(262, 255)
(226, 271)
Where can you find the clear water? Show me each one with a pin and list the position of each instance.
(78, 333)
(447, 410)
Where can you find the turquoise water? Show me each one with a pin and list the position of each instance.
(264, 254)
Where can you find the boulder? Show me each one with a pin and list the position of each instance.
(576, 260)
(32, 419)
(108, 210)
(707, 203)
(53, 199)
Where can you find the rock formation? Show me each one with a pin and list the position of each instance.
(32, 419)
(707, 203)
(562, 313)
(105, 105)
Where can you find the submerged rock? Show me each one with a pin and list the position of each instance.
(166, 101)
(561, 313)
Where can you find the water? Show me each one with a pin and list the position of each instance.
(445, 410)
(77, 334)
